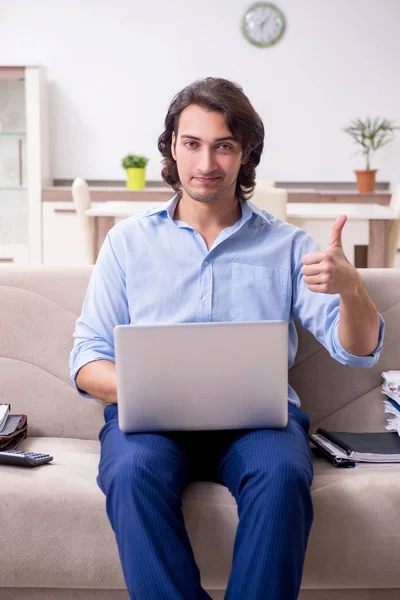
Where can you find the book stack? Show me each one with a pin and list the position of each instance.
(391, 389)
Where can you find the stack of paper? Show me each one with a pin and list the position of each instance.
(391, 388)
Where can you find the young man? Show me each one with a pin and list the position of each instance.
(210, 255)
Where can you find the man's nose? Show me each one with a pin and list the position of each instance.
(207, 161)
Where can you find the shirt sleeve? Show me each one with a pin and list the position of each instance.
(319, 313)
(105, 306)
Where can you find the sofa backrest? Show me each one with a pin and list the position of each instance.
(39, 307)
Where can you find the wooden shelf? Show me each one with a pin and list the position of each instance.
(163, 194)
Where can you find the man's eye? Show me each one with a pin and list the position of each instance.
(225, 147)
(190, 144)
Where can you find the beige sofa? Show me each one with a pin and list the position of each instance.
(56, 542)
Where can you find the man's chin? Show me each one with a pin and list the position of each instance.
(207, 197)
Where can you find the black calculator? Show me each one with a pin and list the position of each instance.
(19, 458)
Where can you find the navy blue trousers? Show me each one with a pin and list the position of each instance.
(268, 471)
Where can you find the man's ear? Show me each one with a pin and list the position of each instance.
(245, 158)
(173, 142)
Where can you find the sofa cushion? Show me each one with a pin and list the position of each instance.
(38, 314)
(54, 519)
(57, 534)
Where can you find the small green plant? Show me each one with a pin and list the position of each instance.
(371, 135)
(134, 161)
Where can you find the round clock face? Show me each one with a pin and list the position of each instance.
(263, 24)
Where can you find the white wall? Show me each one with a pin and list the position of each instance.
(113, 67)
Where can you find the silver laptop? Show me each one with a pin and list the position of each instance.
(200, 376)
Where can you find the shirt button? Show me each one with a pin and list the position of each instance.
(204, 298)
(205, 263)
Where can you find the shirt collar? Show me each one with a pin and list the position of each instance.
(167, 207)
(248, 210)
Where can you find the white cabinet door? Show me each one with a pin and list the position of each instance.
(62, 235)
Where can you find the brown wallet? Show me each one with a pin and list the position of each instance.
(13, 440)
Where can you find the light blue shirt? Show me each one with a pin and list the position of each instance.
(153, 269)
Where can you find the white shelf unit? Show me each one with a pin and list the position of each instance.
(24, 162)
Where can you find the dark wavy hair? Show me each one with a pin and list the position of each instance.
(228, 98)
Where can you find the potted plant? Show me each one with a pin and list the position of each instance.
(370, 135)
(135, 166)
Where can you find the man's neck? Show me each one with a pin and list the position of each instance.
(204, 216)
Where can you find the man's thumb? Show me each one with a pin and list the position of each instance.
(336, 237)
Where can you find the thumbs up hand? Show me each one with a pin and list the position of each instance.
(329, 272)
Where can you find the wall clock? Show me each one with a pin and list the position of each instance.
(263, 24)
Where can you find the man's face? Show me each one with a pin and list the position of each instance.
(208, 158)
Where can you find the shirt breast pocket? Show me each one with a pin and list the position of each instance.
(259, 293)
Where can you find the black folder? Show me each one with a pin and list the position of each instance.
(361, 447)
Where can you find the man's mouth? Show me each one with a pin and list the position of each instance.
(207, 179)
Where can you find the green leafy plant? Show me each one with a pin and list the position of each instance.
(134, 161)
(371, 135)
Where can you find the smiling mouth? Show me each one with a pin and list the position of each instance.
(207, 179)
